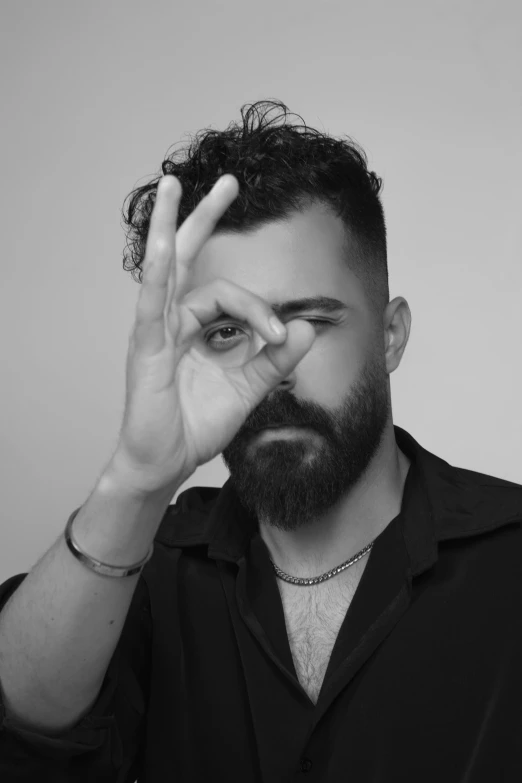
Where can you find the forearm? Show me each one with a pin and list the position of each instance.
(60, 628)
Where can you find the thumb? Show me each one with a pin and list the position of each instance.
(275, 362)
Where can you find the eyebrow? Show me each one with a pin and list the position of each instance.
(323, 304)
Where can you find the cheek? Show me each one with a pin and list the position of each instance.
(329, 370)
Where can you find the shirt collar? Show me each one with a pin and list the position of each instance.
(440, 502)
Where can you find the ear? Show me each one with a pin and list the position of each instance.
(396, 325)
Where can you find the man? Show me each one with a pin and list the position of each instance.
(347, 606)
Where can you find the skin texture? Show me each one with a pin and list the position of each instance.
(328, 485)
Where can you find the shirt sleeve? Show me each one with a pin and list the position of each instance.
(107, 743)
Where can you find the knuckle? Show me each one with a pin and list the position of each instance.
(161, 246)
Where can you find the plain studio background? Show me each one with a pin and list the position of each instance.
(95, 94)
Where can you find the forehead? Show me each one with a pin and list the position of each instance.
(302, 256)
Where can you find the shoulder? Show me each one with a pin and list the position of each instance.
(471, 502)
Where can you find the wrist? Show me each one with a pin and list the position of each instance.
(119, 478)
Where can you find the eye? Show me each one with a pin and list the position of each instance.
(222, 343)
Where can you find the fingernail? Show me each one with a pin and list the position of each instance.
(276, 326)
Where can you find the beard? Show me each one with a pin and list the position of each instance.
(291, 479)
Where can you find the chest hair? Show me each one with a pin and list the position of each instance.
(313, 617)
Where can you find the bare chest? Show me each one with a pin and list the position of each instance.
(313, 616)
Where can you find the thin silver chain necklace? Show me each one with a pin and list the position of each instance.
(295, 580)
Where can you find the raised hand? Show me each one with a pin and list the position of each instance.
(181, 407)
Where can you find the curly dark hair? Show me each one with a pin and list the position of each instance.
(281, 169)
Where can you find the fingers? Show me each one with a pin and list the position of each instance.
(276, 359)
(274, 362)
(199, 225)
(160, 258)
(202, 305)
(169, 253)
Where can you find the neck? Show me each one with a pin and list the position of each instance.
(353, 523)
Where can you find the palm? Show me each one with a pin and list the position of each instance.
(214, 402)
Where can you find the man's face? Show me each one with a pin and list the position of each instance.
(335, 403)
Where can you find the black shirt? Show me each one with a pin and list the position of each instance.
(424, 684)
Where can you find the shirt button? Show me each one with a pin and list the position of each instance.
(306, 765)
